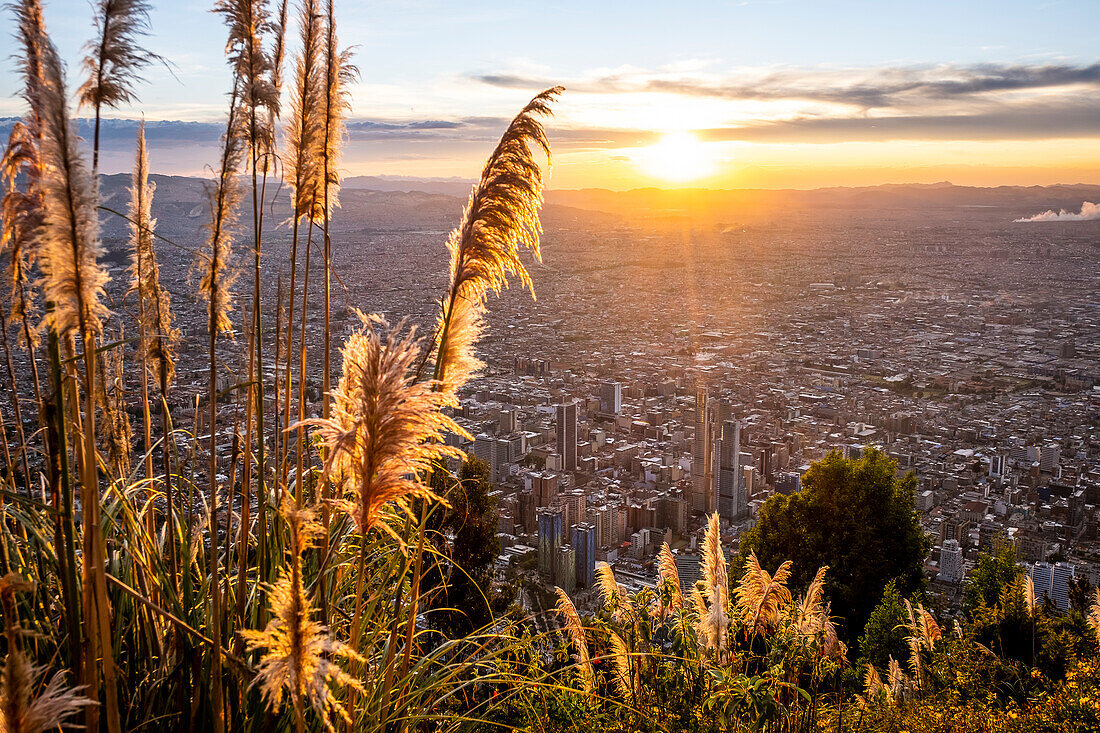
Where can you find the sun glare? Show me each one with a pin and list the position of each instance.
(677, 157)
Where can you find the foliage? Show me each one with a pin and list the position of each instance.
(467, 599)
(884, 634)
(855, 516)
(989, 578)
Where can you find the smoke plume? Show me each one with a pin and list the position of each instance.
(1089, 212)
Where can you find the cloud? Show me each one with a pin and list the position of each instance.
(861, 88)
(1089, 212)
(1003, 122)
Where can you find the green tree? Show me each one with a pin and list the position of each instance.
(857, 517)
(884, 634)
(464, 597)
(989, 578)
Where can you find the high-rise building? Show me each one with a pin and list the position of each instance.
(484, 447)
(1042, 577)
(1060, 576)
(509, 422)
(611, 397)
(544, 487)
(567, 435)
(574, 503)
(504, 455)
(584, 545)
(951, 567)
(687, 569)
(787, 482)
(550, 538)
(701, 468)
(565, 568)
(727, 453)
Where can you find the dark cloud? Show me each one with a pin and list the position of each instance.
(1032, 122)
(866, 89)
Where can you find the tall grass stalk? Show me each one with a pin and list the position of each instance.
(114, 59)
(300, 162)
(224, 196)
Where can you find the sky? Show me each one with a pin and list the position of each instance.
(750, 94)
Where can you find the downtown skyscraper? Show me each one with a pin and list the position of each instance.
(702, 468)
(567, 435)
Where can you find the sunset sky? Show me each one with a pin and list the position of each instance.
(720, 94)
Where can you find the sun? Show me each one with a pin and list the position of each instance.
(678, 157)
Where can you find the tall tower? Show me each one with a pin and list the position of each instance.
(701, 468)
(567, 435)
(727, 454)
(611, 397)
(584, 545)
(550, 538)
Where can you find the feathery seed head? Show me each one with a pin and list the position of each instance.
(623, 674)
(811, 616)
(20, 219)
(501, 219)
(303, 162)
(615, 598)
(114, 57)
(576, 634)
(299, 657)
(224, 195)
(669, 577)
(249, 22)
(761, 596)
(20, 709)
(386, 428)
(159, 336)
(69, 240)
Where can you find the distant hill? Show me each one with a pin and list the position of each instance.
(372, 203)
(448, 186)
(704, 205)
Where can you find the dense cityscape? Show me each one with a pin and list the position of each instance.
(670, 369)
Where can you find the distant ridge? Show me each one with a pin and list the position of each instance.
(417, 196)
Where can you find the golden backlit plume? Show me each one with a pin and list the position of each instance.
(248, 22)
(623, 673)
(20, 219)
(500, 220)
(224, 199)
(298, 653)
(159, 336)
(386, 428)
(69, 241)
(715, 625)
(26, 706)
(339, 74)
(761, 596)
(303, 161)
(114, 57)
(670, 577)
(576, 634)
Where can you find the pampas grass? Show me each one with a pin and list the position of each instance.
(715, 624)
(298, 653)
(114, 59)
(670, 578)
(615, 598)
(22, 709)
(575, 630)
(387, 429)
(500, 220)
(761, 596)
(165, 608)
(73, 283)
(68, 244)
